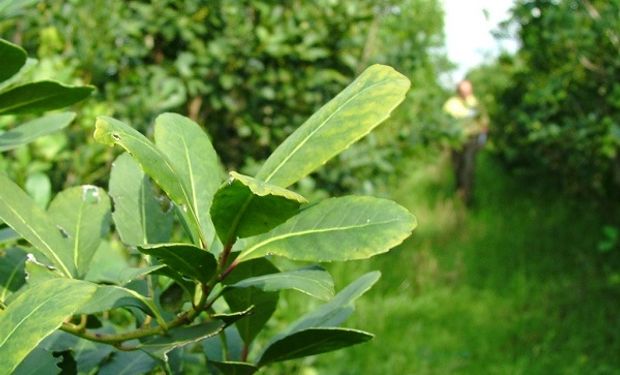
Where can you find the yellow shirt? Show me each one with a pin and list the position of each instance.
(460, 108)
(466, 112)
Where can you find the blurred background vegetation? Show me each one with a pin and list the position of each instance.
(527, 281)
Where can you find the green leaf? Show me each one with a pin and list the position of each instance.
(35, 314)
(108, 297)
(191, 154)
(227, 346)
(316, 332)
(339, 308)
(83, 213)
(112, 266)
(128, 363)
(230, 318)
(38, 272)
(39, 187)
(352, 114)
(12, 275)
(13, 58)
(157, 165)
(189, 260)
(39, 361)
(137, 215)
(22, 214)
(87, 354)
(34, 129)
(246, 207)
(311, 341)
(41, 96)
(179, 337)
(8, 235)
(240, 299)
(336, 229)
(313, 281)
(234, 368)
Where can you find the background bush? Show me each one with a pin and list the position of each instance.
(559, 114)
(249, 71)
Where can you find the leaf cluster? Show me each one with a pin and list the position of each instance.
(204, 293)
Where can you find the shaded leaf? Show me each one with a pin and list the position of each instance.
(234, 368)
(339, 308)
(34, 129)
(21, 213)
(313, 281)
(12, 275)
(13, 58)
(83, 214)
(156, 164)
(108, 297)
(352, 114)
(35, 314)
(246, 207)
(213, 349)
(191, 154)
(128, 363)
(179, 337)
(137, 215)
(41, 96)
(336, 229)
(240, 299)
(39, 361)
(87, 354)
(8, 235)
(192, 261)
(311, 341)
(112, 266)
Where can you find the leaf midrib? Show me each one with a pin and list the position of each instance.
(26, 317)
(325, 286)
(175, 175)
(313, 132)
(28, 102)
(312, 231)
(36, 234)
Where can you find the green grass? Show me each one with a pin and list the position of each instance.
(514, 285)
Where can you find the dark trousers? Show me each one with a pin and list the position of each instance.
(464, 162)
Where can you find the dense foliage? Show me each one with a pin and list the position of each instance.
(248, 71)
(560, 112)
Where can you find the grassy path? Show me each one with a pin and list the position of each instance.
(513, 286)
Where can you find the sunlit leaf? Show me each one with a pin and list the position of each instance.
(138, 216)
(21, 213)
(83, 213)
(336, 229)
(352, 114)
(35, 314)
(313, 281)
(191, 154)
